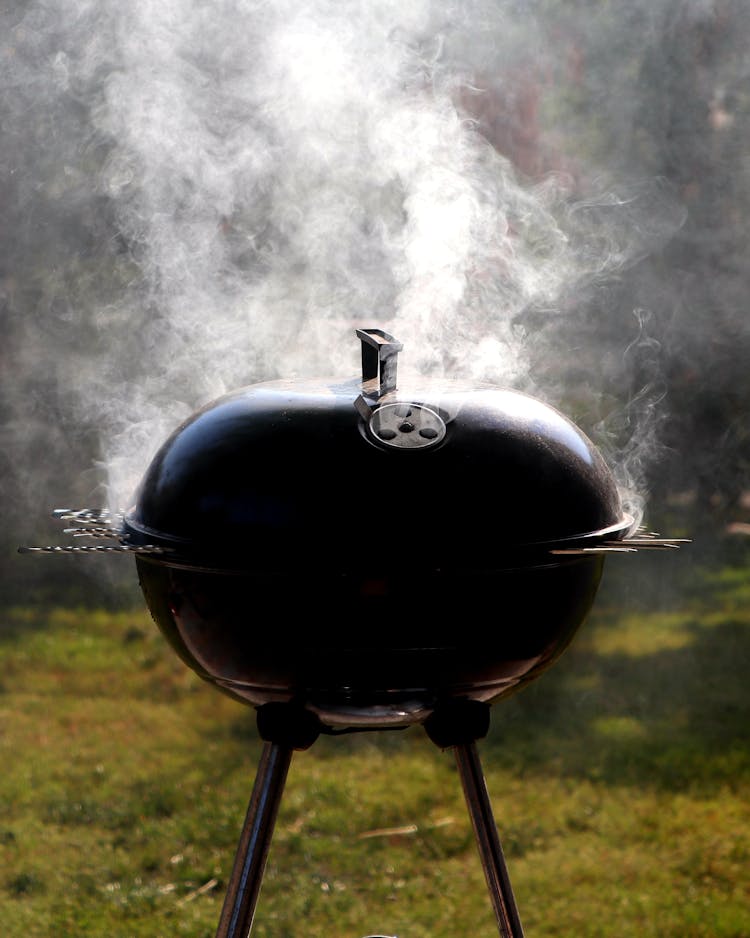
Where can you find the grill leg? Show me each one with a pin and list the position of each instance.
(457, 724)
(284, 728)
(488, 841)
(252, 852)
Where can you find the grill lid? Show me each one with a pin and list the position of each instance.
(335, 473)
(345, 474)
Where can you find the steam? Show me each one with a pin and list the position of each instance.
(270, 176)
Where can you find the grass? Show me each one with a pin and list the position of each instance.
(619, 780)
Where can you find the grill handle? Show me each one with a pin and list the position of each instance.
(379, 358)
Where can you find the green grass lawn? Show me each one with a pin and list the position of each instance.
(620, 783)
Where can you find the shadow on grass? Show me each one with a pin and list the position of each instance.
(675, 719)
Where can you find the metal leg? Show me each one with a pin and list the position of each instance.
(488, 841)
(250, 861)
(455, 727)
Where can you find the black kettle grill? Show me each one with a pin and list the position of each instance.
(313, 548)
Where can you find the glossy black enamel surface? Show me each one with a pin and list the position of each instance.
(370, 649)
(281, 475)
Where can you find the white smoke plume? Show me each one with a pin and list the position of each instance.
(273, 175)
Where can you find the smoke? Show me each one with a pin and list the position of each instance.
(205, 195)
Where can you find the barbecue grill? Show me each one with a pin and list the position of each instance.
(362, 519)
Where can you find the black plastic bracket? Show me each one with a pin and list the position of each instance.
(288, 724)
(456, 722)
